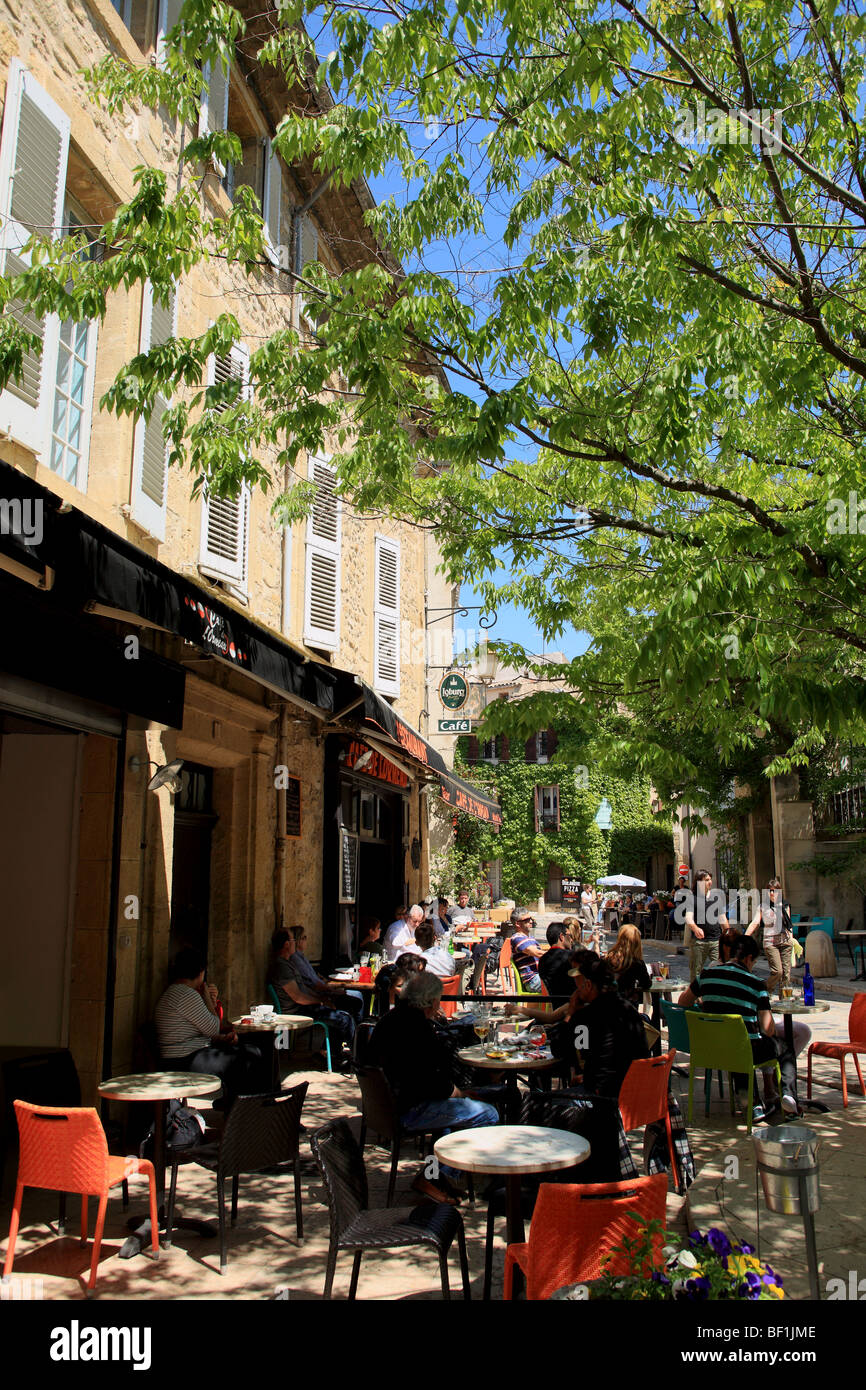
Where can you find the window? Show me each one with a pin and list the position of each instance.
(213, 112)
(150, 452)
(69, 436)
(308, 233)
(33, 158)
(225, 520)
(322, 566)
(542, 746)
(124, 9)
(547, 808)
(490, 750)
(386, 617)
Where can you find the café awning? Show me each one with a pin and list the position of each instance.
(463, 796)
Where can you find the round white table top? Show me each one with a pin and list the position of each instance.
(160, 1085)
(476, 1056)
(796, 1006)
(511, 1149)
(851, 933)
(270, 1025)
(658, 986)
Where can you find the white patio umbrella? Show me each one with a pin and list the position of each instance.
(621, 881)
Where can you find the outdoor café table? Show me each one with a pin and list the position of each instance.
(657, 989)
(511, 1151)
(293, 1023)
(789, 1007)
(159, 1087)
(860, 938)
(512, 1064)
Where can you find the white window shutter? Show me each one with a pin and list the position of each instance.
(168, 16)
(322, 577)
(309, 253)
(386, 617)
(33, 154)
(225, 520)
(271, 202)
(213, 115)
(150, 451)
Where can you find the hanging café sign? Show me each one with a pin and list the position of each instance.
(453, 690)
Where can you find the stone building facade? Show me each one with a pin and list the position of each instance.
(145, 626)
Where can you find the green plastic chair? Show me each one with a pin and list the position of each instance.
(721, 1042)
(674, 1016)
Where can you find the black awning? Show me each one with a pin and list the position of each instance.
(463, 796)
(46, 642)
(27, 517)
(110, 571)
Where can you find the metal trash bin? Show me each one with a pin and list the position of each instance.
(787, 1159)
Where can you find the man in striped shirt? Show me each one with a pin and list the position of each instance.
(733, 988)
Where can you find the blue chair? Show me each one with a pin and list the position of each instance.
(275, 1000)
(677, 1023)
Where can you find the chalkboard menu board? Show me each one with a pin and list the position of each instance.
(293, 808)
(349, 843)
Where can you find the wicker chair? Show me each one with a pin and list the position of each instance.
(355, 1227)
(380, 1115)
(260, 1132)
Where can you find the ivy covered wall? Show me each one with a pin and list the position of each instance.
(579, 847)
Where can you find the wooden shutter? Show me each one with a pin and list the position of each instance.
(386, 617)
(272, 199)
(504, 748)
(225, 519)
(33, 156)
(168, 15)
(531, 751)
(536, 802)
(150, 452)
(472, 749)
(322, 571)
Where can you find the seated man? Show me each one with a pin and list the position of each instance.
(462, 916)
(554, 965)
(417, 1063)
(439, 961)
(525, 951)
(401, 933)
(191, 1037)
(296, 999)
(732, 987)
(314, 983)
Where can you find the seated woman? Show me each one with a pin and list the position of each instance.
(191, 1037)
(371, 937)
(625, 959)
(391, 979)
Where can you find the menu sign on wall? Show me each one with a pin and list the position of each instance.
(570, 889)
(348, 865)
(293, 808)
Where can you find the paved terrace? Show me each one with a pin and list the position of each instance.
(266, 1262)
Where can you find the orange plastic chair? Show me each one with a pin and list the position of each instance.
(575, 1225)
(839, 1051)
(67, 1151)
(643, 1099)
(450, 985)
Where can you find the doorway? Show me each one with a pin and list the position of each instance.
(194, 820)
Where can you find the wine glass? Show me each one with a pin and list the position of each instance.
(536, 1038)
(481, 1025)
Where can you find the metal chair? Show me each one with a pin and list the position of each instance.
(355, 1227)
(674, 1016)
(260, 1132)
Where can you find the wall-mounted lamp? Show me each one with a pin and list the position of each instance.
(166, 776)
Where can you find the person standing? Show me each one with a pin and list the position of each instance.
(774, 915)
(587, 907)
(705, 920)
